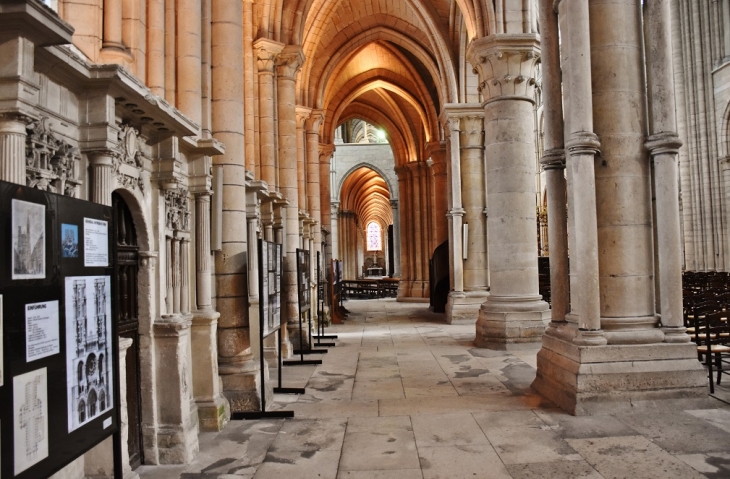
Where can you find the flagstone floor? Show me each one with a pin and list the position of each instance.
(405, 396)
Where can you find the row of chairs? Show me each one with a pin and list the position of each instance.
(706, 311)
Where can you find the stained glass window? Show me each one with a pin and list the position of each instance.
(375, 242)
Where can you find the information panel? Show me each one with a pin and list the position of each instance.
(303, 289)
(270, 264)
(59, 365)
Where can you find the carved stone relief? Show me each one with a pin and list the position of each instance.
(177, 213)
(51, 164)
(128, 165)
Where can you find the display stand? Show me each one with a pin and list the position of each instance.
(321, 285)
(270, 323)
(305, 309)
(59, 358)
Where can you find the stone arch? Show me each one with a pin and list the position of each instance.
(393, 191)
(81, 411)
(92, 398)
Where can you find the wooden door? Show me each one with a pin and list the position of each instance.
(126, 256)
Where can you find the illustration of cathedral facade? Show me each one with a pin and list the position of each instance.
(90, 387)
(28, 257)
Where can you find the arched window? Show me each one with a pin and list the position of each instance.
(375, 240)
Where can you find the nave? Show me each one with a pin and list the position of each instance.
(404, 396)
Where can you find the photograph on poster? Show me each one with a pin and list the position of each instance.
(41, 330)
(69, 241)
(30, 419)
(28, 230)
(88, 348)
(96, 242)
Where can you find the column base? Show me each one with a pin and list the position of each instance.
(213, 415)
(587, 380)
(404, 290)
(463, 307)
(178, 443)
(511, 323)
(242, 385)
(294, 337)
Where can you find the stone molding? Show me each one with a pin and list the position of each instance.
(507, 65)
(663, 143)
(583, 143)
(553, 159)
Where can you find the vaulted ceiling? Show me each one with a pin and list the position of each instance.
(365, 192)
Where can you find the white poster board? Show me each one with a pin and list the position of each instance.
(96, 242)
(30, 418)
(89, 377)
(41, 330)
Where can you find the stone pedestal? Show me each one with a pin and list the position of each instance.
(462, 307)
(213, 409)
(177, 435)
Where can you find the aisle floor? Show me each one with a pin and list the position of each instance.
(405, 396)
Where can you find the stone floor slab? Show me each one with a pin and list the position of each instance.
(559, 469)
(299, 465)
(447, 430)
(461, 462)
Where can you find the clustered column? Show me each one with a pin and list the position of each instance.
(512, 315)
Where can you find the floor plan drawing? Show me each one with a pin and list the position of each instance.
(30, 416)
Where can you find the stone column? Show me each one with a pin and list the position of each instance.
(102, 176)
(512, 315)
(614, 358)
(452, 125)
(314, 193)
(12, 148)
(440, 200)
(404, 193)
(249, 90)
(189, 53)
(396, 238)
(417, 242)
(156, 46)
(288, 63)
(553, 163)
(238, 370)
(213, 409)
(302, 114)
(112, 25)
(663, 144)
(325, 155)
(266, 51)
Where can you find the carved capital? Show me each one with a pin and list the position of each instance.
(506, 65)
(302, 114)
(289, 61)
(553, 159)
(325, 153)
(266, 52)
(663, 143)
(315, 119)
(472, 131)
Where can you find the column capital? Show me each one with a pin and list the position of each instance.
(456, 212)
(506, 65)
(583, 143)
(553, 159)
(303, 113)
(316, 117)
(289, 61)
(266, 52)
(102, 157)
(472, 131)
(325, 153)
(15, 122)
(663, 143)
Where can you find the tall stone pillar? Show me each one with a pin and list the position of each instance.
(463, 306)
(512, 316)
(314, 195)
(418, 285)
(440, 193)
(288, 63)
(302, 114)
(325, 155)
(396, 238)
(238, 370)
(553, 163)
(188, 62)
(404, 192)
(12, 148)
(663, 143)
(452, 126)
(612, 355)
(266, 52)
(213, 409)
(102, 176)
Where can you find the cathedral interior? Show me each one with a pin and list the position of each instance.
(545, 184)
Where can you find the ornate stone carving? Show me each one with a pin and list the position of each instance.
(51, 163)
(177, 213)
(128, 163)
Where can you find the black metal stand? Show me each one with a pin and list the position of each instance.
(280, 389)
(304, 308)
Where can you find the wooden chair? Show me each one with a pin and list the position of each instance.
(714, 344)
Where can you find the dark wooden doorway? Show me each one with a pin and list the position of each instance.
(126, 267)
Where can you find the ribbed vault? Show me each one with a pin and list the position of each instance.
(366, 193)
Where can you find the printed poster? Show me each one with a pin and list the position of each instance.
(28, 232)
(88, 348)
(96, 242)
(41, 330)
(30, 419)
